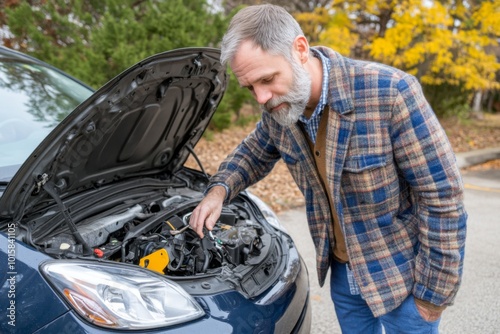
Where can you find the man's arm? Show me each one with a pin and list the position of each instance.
(426, 160)
(251, 161)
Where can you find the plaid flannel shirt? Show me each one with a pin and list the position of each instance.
(394, 178)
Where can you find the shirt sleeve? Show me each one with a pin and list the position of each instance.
(250, 162)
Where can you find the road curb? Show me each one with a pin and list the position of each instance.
(476, 157)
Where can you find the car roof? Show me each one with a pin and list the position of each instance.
(8, 53)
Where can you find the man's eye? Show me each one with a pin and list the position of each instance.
(268, 80)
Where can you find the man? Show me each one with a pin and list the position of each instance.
(383, 193)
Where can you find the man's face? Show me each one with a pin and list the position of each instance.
(281, 88)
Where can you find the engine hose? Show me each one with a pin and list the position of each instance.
(123, 250)
(207, 260)
(206, 244)
(181, 259)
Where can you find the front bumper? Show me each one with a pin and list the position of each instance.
(284, 308)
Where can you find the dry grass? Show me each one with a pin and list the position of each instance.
(473, 134)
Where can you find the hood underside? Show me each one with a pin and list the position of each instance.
(141, 122)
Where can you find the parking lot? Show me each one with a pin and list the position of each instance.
(477, 305)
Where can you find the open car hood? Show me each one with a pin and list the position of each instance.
(142, 122)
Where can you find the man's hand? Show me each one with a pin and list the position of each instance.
(208, 211)
(428, 314)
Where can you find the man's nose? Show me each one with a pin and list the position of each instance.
(262, 95)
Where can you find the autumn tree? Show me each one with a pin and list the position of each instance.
(449, 45)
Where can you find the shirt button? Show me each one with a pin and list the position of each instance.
(317, 153)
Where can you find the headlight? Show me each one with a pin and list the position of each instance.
(120, 297)
(267, 212)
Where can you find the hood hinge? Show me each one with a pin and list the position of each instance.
(40, 182)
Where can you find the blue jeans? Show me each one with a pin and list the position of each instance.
(355, 316)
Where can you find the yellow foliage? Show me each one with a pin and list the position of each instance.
(340, 39)
(488, 17)
(422, 42)
(313, 23)
(459, 11)
(439, 42)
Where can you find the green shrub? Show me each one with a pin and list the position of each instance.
(448, 100)
(229, 108)
(221, 120)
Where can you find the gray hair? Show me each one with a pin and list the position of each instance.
(270, 27)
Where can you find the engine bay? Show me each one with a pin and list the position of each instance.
(151, 230)
(163, 241)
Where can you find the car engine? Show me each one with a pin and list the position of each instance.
(167, 244)
(146, 223)
(157, 236)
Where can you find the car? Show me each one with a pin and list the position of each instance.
(95, 201)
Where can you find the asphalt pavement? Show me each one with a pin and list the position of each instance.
(477, 305)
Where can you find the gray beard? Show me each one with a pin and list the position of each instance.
(296, 99)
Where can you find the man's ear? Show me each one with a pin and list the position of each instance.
(301, 48)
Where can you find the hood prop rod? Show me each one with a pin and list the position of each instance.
(50, 189)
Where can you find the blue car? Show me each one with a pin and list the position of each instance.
(95, 203)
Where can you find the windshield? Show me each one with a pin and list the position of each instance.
(34, 99)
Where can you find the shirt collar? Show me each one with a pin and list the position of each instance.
(323, 99)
